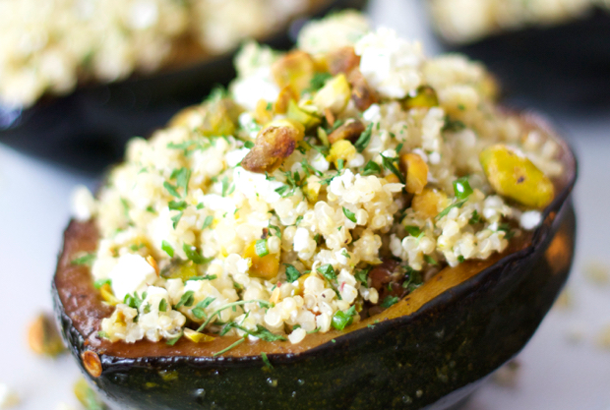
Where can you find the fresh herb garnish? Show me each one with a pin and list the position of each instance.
(388, 163)
(101, 282)
(364, 139)
(261, 248)
(163, 305)
(462, 188)
(389, 301)
(194, 255)
(342, 319)
(173, 191)
(430, 260)
(413, 230)
(207, 222)
(445, 211)
(86, 260)
(266, 361)
(475, 218)
(205, 277)
(240, 341)
(318, 80)
(187, 299)
(167, 248)
(327, 271)
(249, 144)
(292, 273)
(173, 341)
(349, 214)
(199, 310)
(362, 276)
(371, 168)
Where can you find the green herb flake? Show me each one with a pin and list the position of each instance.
(349, 214)
(276, 231)
(193, 255)
(187, 299)
(163, 305)
(445, 211)
(249, 144)
(413, 230)
(340, 164)
(266, 361)
(327, 271)
(364, 139)
(199, 310)
(318, 80)
(430, 260)
(101, 282)
(362, 276)
(389, 301)
(173, 191)
(371, 168)
(388, 163)
(205, 277)
(84, 260)
(292, 273)
(176, 218)
(342, 319)
(167, 248)
(462, 188)
(261, 248)
(177, 205)
(207, 222)
(461, 258)
(174, 340)
(240, 341)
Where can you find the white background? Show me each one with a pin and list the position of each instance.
(554, 372)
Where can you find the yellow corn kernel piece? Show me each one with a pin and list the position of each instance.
(429, 202)
(342, 149)
(295, 69)
(262, 114)
(197, 337)
(516, 177)
(425, 97)
(265, 267)
(416, 170)
(335, 94)
(298, 114)
(108, 295)
(283, 99)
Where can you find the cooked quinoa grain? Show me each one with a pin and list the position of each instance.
(282, 208)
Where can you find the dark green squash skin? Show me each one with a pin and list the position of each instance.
(411, 362)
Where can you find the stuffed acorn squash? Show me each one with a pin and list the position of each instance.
(351, 226)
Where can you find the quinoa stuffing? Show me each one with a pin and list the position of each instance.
(488, 17)
(49, 46)
(325, 185)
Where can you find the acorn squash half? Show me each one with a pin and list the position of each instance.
(429, 349)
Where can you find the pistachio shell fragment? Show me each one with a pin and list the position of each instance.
(43, 337)
(273, 144)
(197, 337)
(334, 96)
(416, 171)
(516, 177)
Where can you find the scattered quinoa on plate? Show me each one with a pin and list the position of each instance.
(326, 184)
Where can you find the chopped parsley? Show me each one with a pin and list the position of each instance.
(362, 276)
(292, 273)
(86, 259)
(167, 248)
(327, 271)
(207, 222)
(413, 230)
(276, 231)
(462, 188)
(430, 260)
(205, 277)
(198, 311)
(389, 301)
(388, 164)
(249, 144)
(268, 364)
(349, 214)
(173, 191)
(475, 218)
(342, 319)
(261, 248)
(187, 299)
(101, 282)
(193, 255)
(163, 305)
(364, 139)
(317, 81)
(371, 168)
(173, 341)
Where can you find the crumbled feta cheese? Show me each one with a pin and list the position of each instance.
(530, 220)
(83, 204)
(131, 274)
(333, 32)
(390, 64)
(248, 91)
